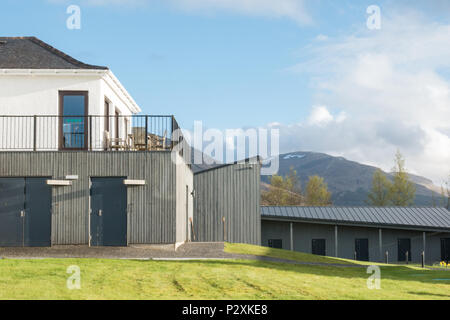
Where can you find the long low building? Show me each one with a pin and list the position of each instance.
(395, 234)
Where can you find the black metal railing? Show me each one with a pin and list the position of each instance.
(93, 133)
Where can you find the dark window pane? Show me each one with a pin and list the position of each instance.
(74, 121)
(276, 243)
(73, 105)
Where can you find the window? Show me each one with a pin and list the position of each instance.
(73, 112)
(117, 128)
(127, 126)
(319, 247)
(276, 243)
(106, 115)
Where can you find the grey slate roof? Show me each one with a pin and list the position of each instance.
(32, 53)
(405, 217)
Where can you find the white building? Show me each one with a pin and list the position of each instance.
(39, 80)
(78, 165)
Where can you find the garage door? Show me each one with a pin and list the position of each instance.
(25, 212)
(108, 212)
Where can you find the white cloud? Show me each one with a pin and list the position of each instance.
(390, 87)
(320, 116)
(322, 37)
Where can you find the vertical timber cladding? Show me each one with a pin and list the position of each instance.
(151, 208)
(229, 192)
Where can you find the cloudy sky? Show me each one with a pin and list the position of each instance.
(313, 69)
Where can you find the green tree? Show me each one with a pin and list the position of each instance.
(317, 193)
(294, 180)
(283, 191)
(379, 195)
(402, 191)
(275, 195)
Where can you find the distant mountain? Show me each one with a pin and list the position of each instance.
(348, 181)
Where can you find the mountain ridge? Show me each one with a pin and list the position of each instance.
(349, 181)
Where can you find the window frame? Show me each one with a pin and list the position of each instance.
(62, 94)
(107, 108)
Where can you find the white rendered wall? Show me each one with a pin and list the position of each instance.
(29, 95)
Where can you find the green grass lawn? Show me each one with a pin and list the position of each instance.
(282, 254)
(220, 279)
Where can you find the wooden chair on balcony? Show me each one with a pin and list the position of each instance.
(119, 144)
(138, 138)
(157, 142)
(106, 140)
(140, 141)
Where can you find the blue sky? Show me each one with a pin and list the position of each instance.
(218, 66)
(310, 68)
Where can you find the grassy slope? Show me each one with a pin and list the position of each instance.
(233, 279)
(282, 254)
(296, 256)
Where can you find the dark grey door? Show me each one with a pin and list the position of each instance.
(38, 218)
(25, 212)
(319, 247)
(404, 246)
(362, 249)
(108, 212)
(12, 206)
(445, 249)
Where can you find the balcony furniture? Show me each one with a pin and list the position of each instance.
(119, 144)
(90, 133)
(157, 142)
(106, 140)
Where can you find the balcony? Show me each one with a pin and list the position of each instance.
(88, 133)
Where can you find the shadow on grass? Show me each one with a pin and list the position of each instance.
(421, 293)
(246, 249)
(396, 273)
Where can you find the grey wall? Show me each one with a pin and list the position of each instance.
(232, 192)
(305, 232)
(151, 208)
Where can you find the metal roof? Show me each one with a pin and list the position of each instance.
(404, 217)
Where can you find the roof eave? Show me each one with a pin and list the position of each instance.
(134, 106)
(83, 72)
(355, 224)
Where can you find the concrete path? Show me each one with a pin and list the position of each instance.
(186, 252)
